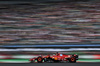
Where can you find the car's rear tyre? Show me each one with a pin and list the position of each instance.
(39, 59)
(72, 60)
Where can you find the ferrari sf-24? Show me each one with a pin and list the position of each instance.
(58, 57)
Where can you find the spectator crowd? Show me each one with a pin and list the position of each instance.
(50, 23)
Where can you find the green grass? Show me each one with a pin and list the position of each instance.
(27, 60)
(14, 59)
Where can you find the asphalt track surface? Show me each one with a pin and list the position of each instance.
(49, 64)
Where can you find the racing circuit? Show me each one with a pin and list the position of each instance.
(32, 29)
(50, 64)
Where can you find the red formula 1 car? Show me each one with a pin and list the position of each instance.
(58, 57)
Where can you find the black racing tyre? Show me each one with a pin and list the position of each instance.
(39, 59)
(72, 60)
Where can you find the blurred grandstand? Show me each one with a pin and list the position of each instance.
(63, 23)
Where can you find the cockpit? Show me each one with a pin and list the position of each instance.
(60, 54)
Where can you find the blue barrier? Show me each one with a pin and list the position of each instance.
(92, 45)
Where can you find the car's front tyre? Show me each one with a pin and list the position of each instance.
(39, 59)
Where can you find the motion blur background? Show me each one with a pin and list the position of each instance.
(29, 28)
